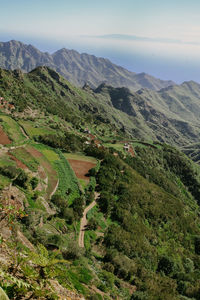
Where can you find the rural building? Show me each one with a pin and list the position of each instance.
(86, 130)
(126, 147)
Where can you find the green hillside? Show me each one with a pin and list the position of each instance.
(61, 153)
(145, 115)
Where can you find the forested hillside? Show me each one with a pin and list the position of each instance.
(72, 171)
(140, 115)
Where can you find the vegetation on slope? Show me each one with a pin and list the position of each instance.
(142, 240)
(144, 115)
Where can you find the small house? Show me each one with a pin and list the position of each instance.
(126, 147)
(86, 130)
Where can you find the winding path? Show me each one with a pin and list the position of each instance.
(24, 133)
(54, 190)
(84, 221)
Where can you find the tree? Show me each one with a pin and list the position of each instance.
(197, 245)
(78, 207)
(165, 265)
(92, 224)
(34, 182)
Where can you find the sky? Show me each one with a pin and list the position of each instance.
(159, 37)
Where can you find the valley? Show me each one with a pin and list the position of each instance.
(96, 202)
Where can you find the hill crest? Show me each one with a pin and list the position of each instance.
(75, 67)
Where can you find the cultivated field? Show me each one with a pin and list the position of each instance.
(13, 130)
(80, 157)
(4, 139)
(81, 164)
(19, 164)
(26, 158)
(49, 170)
(31, 130)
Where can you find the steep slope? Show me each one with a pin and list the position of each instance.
(179, 101)
(158, 114)
(142, 239)
(192, 151)
(77, 68)
(144, 114)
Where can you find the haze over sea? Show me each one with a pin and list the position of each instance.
(161, 38)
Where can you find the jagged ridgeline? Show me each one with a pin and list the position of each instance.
(75, 67)
(170, 115)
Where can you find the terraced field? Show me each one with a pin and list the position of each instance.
(26, 158)
(12, 129)
(32, 130)
(81, 157)
(49, 170)
(81, 164)
(4, 139)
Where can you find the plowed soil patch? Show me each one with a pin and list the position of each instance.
(4, 139)
(35, 153)
(81, 168)
(18, 162)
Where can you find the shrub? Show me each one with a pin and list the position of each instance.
(34, 182)
(21, 179)
(197, 245)
(9, 171)
(72, 251)
(68, 215)
(139, 296)
(165, 265)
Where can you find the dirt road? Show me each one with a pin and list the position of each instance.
(84, 221)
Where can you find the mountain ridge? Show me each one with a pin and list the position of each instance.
(145, 114)
(142, 236)
(75, 67)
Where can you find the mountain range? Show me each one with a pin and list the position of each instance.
(144, 107)
(75, 67)
(93, 202)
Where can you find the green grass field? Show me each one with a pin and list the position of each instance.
(13, 130)
(48, 166)
(117, 146)
(50, 154)
(4, 181)
(31, 130)
(83, 183)
(145, 144)
(24, 156)
(5, 160)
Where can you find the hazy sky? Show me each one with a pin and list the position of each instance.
(159, 37)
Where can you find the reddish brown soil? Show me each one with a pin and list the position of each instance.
(4, 139)
(91, 136)
(131, 151)
(81, 168)
(18, 162)
(35, 153)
